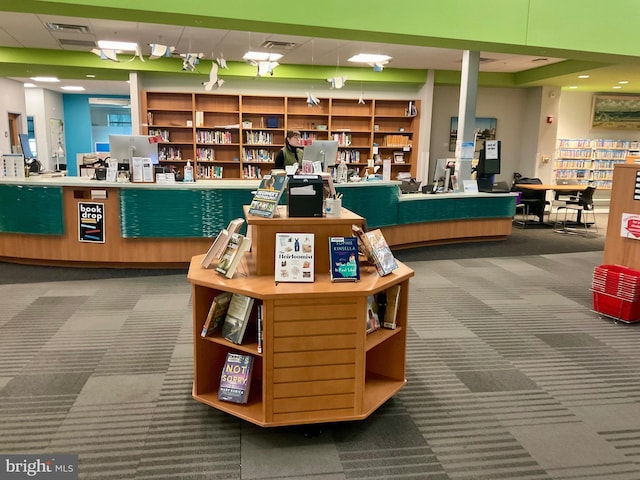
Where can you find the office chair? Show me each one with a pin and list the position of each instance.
(570, 195)
(522, 212)
(534, 200)
(581, 207)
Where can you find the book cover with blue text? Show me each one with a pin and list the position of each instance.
(343, 259)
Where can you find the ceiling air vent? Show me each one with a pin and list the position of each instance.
(67, 27)
(68, 42)
(279, 45)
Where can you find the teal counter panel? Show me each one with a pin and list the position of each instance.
(433, 209)
(378, 204)
(31, 210)
(149, 213)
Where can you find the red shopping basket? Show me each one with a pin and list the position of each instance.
(616, 292)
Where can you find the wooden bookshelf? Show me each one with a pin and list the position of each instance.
(238, 136)
(318, 364)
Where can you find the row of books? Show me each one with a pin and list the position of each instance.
(232, 313)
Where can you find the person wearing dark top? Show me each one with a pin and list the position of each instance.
(291, 152)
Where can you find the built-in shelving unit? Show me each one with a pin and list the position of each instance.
(239, 136)
(591, 161)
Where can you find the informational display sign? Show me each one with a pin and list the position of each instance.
(491, 149)
(91, 222)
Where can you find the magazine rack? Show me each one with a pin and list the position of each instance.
(317, 363)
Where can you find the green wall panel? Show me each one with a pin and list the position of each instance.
(32, 210)
(377, 204)
(164, 213)
(436, 209)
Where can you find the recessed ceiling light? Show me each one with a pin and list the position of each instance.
(73, 88)
(262, 56)
(623, 82)
(616, 86)
(45, 79)
(113, 45)
(370, 58)
(583, 76)
(29, 85)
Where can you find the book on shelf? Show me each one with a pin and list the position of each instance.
(294, 257)
(389, 319)
(237, 245)
(220, 243)
(235, 378)
(217, 313)
(376, 250)
(237, 318)
(267, 196)
(343, 259)
(373, 321)
(259, 327)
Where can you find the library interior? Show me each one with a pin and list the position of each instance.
(301, 314)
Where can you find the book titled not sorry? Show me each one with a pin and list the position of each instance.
(343, 259)
(235, 379)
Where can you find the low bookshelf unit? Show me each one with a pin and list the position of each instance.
(317, 362)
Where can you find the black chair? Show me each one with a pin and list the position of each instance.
(535, 200)
(581, 207)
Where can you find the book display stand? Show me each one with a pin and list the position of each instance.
(317, 364)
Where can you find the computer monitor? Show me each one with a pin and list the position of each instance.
(123, 147)
(102, 147)
(323, 151)
(24, 145)
(445, 167)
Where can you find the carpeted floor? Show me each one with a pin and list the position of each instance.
(511, 375)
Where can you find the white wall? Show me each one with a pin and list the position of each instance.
(11, 101)
(575, 119)
(44, 105)
(511, 108)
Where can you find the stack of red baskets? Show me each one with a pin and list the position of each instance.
(616, 292)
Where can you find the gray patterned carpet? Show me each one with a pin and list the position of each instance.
(510, 376)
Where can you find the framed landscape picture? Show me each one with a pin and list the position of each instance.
(620, 112)
(484, 126)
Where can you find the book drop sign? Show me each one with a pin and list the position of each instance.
(91, 222)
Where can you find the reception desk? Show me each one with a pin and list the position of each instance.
(46, 220)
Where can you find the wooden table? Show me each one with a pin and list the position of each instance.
(558, 188)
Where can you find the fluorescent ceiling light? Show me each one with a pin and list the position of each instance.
(45, 79)
(370, 58)
(623, 82)
(73, 88)
(113, 45)
(29, 85)
(573, 86)
(90, 75)
(583, 76)
(616, 86)
(262, 56)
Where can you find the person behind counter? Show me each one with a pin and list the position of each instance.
(291, 153)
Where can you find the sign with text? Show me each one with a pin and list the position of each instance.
(91, 222)
(630, 226)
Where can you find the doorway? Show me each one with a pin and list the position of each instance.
(15, 128)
